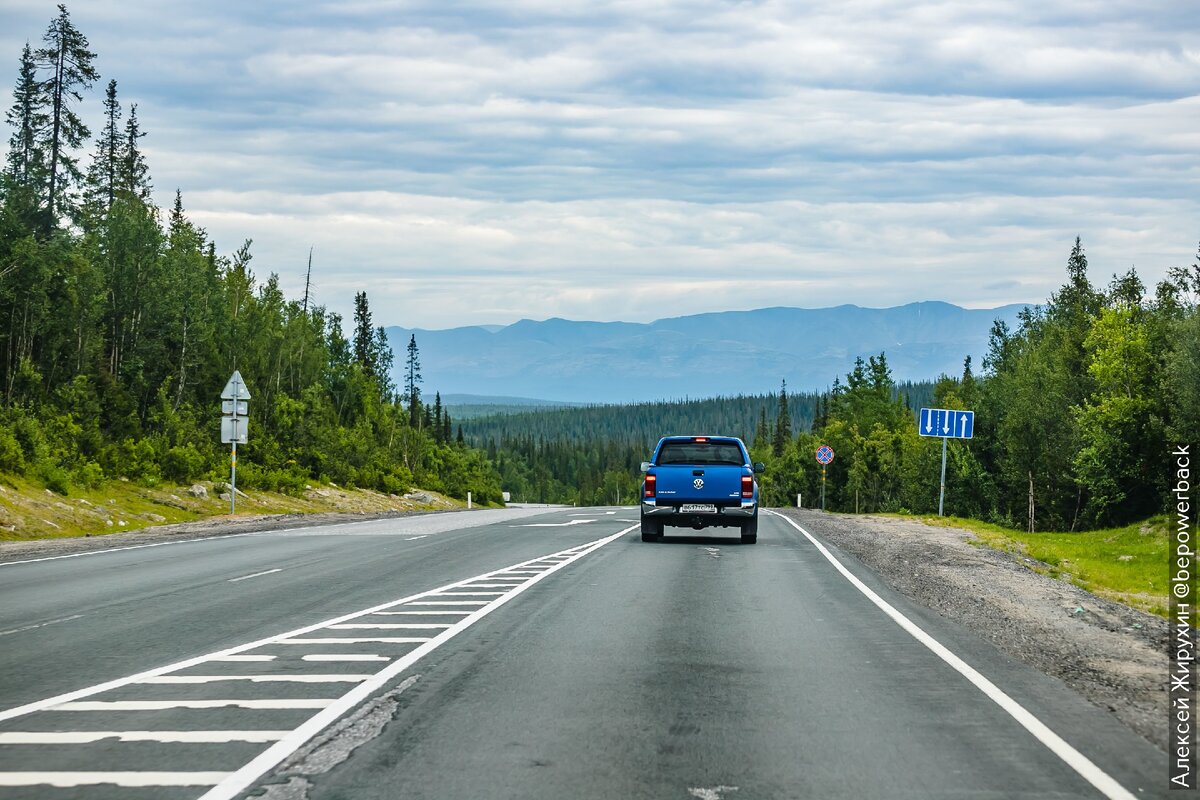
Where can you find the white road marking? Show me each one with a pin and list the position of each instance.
(170, 737)
(414, 538)
(245, 658)
(255, 575)
(194, 679)
(359, 640)
(554, 524)
(41, 624)
(421, 613)
(711, 794)
(134, 547)
(1086, 768)
(450, 603)
(383, 626)
(346, 657)
(510, 584)
(237, 782)
(469, 594)
(129, 780)
(163, 705)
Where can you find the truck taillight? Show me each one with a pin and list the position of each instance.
(747, 486)
(651, 487)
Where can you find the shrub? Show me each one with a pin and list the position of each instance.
(90, 475)
(182, 464)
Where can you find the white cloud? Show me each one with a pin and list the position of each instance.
(488, 161)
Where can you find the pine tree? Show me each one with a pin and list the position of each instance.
(134, 174)
(761, 434)
(412, 377)
(364, 335)
(69, 61)
(783, 423)
(102, 175)
(436, 419)
(28, 118)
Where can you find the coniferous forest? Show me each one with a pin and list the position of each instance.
(1076, 412)
(120, 323)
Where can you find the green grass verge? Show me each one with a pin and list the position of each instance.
(1128, 565)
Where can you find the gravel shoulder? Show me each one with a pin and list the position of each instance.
(1113, 655)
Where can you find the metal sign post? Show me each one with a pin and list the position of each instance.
(824, 457)
(235, 423)
(948, 424)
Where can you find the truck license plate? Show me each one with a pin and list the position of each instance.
(698, 508)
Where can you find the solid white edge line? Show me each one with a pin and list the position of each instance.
(116, 683)
(211, 538)
(231, 786)
(1086, 768)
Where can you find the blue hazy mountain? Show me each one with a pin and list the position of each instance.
(701, 355)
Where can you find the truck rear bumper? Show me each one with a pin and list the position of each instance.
(724, 517)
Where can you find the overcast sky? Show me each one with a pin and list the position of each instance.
(480, 162)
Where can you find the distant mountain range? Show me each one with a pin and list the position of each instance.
(702, 355)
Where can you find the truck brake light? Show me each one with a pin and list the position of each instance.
(651, 486)
(700, 439)
(747, 486)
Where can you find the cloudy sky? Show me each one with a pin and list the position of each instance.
(481, 162)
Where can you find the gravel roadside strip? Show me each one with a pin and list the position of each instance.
(1113, 655)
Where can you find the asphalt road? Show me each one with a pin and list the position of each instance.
(521, 654)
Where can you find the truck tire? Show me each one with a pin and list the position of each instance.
(651, 531)
(750, 530)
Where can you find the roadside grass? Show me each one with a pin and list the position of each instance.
(30, 510)
(1128, 565)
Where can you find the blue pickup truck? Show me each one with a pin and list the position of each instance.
(700, 482)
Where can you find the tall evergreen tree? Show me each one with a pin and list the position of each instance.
(412, 377)
(105, 168)
(134, 174)
(364, 335)
(28, 118)
(67, 57)
(783, 423)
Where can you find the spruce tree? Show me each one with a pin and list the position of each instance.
(67, 57)
(134, 174)
(28, 118)
(412, 377)
(783, 423)
(364, 335)
(102, 175)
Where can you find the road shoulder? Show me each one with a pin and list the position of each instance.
(1110, 654)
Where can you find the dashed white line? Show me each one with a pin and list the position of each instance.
(41, 625)
(414, 538)
(256, 575)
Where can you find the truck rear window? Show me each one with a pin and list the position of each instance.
(700, 453)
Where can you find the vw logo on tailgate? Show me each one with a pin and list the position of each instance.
(698, 483)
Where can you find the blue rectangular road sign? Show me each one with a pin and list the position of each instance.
(945, 422)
